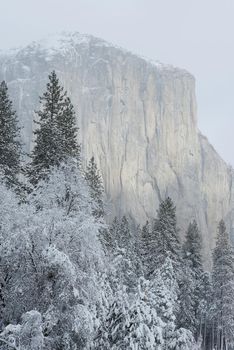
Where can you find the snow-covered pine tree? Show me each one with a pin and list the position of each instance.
(10, 145)
(124, 240)
(124, 255)
(96, 189)
(191, 281)
(56, 136)
(137, 252)
(166, 236)
(145, 244)
(109, 237)
(165, 287)
(94, 180)
(143, 328)
(66, 123)
(102, 308)
(223, 289)
(107, 240)
(149, 248)
(205, 307)
(192, 248)
(162, 240)
(186, 316)
(117, 237)
(110, 335)
(165, 290)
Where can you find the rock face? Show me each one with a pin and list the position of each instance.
(138, 118)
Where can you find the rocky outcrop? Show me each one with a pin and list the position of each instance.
(138, 118)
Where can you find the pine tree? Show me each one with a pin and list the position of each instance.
(109, 237)
(120, 234)
(145, 242)
(125, 238)
(68, 131)
(94, 181)
(124, 255)
(56, 137)
(110, 334)
(144, 328)
(131, 324)
(166, 235)
(191, 283)
(192, 248)
(205, 307)
(10, 146)
(165, 287)
(149, 248)
(137, 252)
(165, 290)
(162, 241)
(187, 301)
(107, 241)
(223, 289)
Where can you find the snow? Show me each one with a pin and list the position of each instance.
(63, 42)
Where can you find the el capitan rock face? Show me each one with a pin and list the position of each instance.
(138, 118)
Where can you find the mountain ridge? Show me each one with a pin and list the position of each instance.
(53, 44)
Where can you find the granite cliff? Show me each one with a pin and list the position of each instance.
(138, 118)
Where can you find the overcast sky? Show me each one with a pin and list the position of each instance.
(194, 34)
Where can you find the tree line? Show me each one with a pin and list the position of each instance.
(68, 280)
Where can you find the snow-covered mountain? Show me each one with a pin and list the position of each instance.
(138, 118)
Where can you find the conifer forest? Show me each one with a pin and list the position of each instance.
(72, 280)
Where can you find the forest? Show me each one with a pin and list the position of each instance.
(71, 280)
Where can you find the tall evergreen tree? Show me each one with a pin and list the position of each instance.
(68, 131)
(166, 232)
(205, 306)
(56, 137)
(137, 252)
(125, 237)
(166, 291)
(145, 247)
(192, 248)
(131, 324)
(223, 289)
(94, 180)
(187, 301)
(165, 288)
(124, 255)
(109, 237)
(144, 328)
(10, 146)
(149, 248)
(191, 284)
(111, 332)
(162, 240)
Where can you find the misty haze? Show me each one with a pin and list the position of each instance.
(116, 178)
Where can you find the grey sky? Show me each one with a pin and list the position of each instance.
(194, 34)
